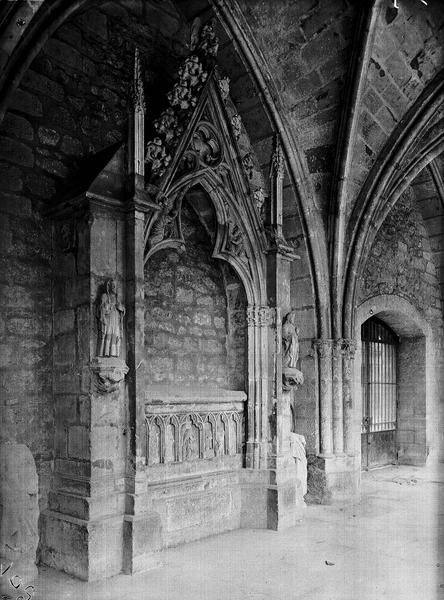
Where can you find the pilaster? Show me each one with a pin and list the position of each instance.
(83, 525)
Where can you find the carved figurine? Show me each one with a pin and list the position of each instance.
(111, 313)
(224, 87)
(208, 41)
(189, 445)
(259, 199)
(290, 341)
(192, 72)
(248, 164)
(236, 123)
(291, 376)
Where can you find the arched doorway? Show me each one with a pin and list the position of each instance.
(406, 341)
(379, 384)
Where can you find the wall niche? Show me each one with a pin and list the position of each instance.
(195, 308)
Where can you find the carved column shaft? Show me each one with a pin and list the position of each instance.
(258, 320)
(337, 399)
(324, 349)
(349, 348)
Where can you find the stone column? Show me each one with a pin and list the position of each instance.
(350, 436)
(324, 348)
(338, 430)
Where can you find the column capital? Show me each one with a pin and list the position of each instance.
(348, 348)
(260, 316)
(324, 347)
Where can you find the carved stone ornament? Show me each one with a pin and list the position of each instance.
(324, 347)
(164, 226)
(277, 159)
(291, 375)
(348, 348)
(260, 316)
(259, 199)
(137, 92)
(224, 87)
(187, 437)
(248, 164)
(235, 239)
(205, 149)
(182, 98)
(236, 124)
(277, 243)
(109, 371)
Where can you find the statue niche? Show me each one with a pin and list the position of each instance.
(108, 366)
(291, 375)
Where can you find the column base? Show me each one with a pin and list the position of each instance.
(142, 543)
(267, 503)
(333, 479)
(89, 550)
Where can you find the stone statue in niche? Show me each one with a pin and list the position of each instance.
(190, 444)
(169, 444)
(108, 366)
(208, 440)
(291, 375)
(111, 313)
(154, 444)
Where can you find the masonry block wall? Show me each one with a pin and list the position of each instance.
(26, 408)
(194, 325)
(71, 103)
(411, 435)
(401, 262)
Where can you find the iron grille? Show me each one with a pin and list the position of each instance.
(379, 384)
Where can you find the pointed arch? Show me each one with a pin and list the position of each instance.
(240, 235)
(234, 21)
(390, 176)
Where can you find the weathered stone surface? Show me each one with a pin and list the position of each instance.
(40, 185)
(71, 146)
(318, 492)
(78, 442)
(11, 177)
(17, 126)
(186, 304)
(19, 514)
(398, 263)
(27, 103)
(47, 136)
(16, 152)
(42, 84)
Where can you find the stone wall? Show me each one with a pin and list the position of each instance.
(194, 322)
(73, 100)
(71, 103)
(401, 262)
(26, 412)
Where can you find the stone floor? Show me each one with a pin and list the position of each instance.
(384, 547)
